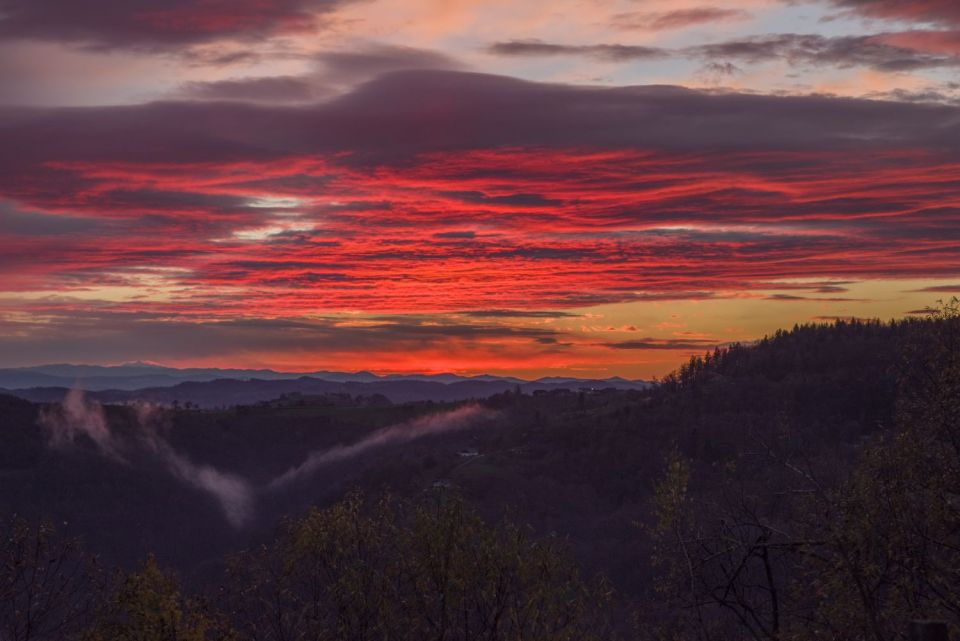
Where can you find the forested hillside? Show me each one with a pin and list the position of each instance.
(801, 487)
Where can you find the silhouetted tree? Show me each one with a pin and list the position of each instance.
(47, 584)
(397, 571)
(787, 550)
(147, 605)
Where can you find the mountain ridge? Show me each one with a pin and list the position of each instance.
(138, 376)
(226, 392)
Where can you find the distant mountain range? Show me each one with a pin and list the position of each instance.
(212, 387)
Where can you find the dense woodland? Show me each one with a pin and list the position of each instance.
(803, 487)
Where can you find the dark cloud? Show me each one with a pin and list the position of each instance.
(219, 56)
(518, 313)
(794, 298)
(407, 113)
(678, 19)
(89, 335)
(905, 95)
(830, 289)
(334, 72)
(22, 223)
(510, 200)
(820, 287)
(156, 24)
(718, 71)
(893, 52)
(875, 51)
(350, 67)
(259, 89)
(456, 235)
(663, 343)
(135, 202)
(944, 12)
(940, 289)
(607, 52)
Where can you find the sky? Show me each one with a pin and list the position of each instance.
(585, 188)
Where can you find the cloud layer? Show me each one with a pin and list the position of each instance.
(324, 179)
(445, 192)
(157, 23)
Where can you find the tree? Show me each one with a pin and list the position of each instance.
(397, 571)
(147, 606)
(893, 553)
(850, 556)
(722, 560)
(47, 583)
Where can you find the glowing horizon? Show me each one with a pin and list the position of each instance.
(470, 187)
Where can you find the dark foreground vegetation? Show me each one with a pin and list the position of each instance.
(805, 487)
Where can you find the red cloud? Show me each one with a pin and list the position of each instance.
(931, 11)
(156, 23)
(435, 193)
(507, 228)
(926, 41)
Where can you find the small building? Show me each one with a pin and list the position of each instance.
(469, 452)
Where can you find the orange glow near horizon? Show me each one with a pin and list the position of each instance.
(525, 262)
(596, 189)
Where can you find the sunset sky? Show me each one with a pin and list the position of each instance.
(575, 187)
